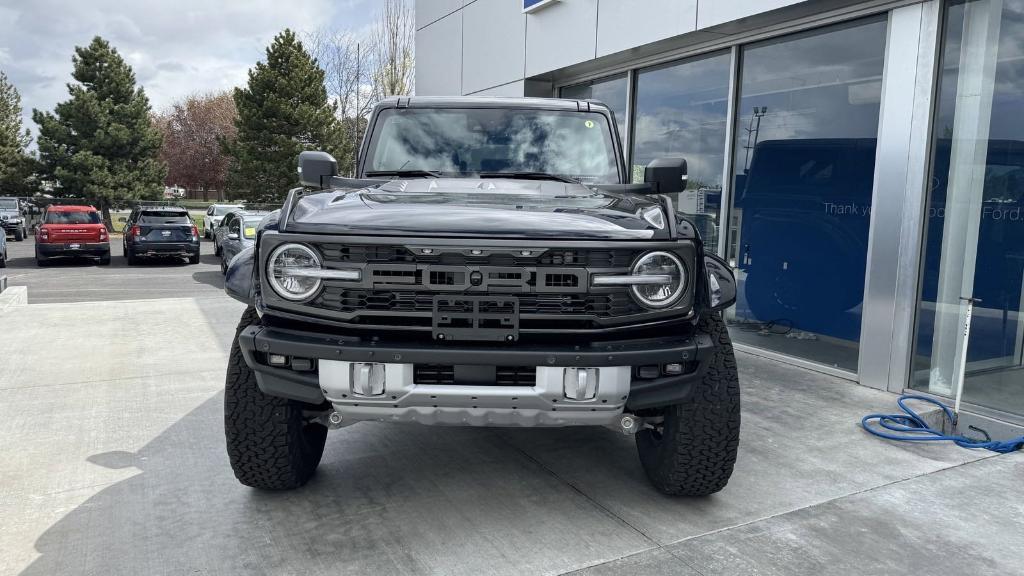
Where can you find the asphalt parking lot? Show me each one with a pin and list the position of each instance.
(82, 280)
(113, 462)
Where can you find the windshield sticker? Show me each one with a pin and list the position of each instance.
(589, 123)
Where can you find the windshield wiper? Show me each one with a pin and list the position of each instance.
(406, 173)
(528, 176)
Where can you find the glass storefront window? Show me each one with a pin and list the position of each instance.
(681, 110)
(612, 91)
(804, 155)
(974, 236)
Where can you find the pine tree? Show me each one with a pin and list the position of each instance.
(16, 166)
(100, 144)
(283, 111)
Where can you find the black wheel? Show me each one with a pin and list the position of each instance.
(132, 260)
(692, 452)
(3, 260)
(271, 442)
(105, 260)
(193, 259)
(19, 234)
(223, 266)
(42, 261)
(216, 248)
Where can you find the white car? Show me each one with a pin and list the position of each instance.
(214, 214)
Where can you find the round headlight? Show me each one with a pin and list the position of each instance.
(289, 271)
(659, 264)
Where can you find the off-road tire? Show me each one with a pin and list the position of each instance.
(193, 259)
(132, 260)
(42, 261)
(693, 451)
(105, 260)
(3, 260)
(216, 248)
(19, 235)
(270, 443)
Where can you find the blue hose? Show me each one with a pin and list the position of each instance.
(910, 427)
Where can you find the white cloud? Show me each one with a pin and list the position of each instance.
(176, 47)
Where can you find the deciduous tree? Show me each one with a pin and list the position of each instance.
(193, 130)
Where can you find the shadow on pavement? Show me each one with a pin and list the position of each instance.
(387, 499)
(210, 277)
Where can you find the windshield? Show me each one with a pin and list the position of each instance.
(164, 217)
(249, 227)
(222, 210)
(8, 204)
(458, 142)
(72, 218)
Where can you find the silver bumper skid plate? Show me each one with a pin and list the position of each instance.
(561, 396)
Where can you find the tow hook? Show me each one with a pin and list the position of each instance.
(333, 420)
(630, 424)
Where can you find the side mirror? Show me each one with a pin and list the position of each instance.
(233, 236)
(666, 175)
(721, 283)
(316, 168)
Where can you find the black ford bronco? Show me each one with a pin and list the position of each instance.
(490, 265)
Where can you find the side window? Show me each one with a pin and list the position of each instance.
(235, 228)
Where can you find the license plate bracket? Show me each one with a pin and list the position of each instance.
(480, 318)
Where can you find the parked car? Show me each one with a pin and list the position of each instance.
(214, 214)
(12, 219)
(72, 231)
(491, 265)
(160, 231)
(3, 250)
(236, 233)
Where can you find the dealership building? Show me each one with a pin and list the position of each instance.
(860, 164)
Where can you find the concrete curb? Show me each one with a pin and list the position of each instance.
(13, 297)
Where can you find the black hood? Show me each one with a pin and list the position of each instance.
(498, 208)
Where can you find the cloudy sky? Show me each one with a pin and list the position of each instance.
(177, 47)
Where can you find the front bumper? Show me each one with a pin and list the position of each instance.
(9, 227)
(91, 249)
(329, 378)
(147, 249)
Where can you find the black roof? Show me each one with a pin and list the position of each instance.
(492, 102)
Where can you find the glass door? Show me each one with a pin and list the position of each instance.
(974, 243)
(804, 157)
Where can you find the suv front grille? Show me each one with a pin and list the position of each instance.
(539, 290)
(348, 301)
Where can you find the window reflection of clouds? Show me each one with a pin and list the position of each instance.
(825, 84)
(614, 92)
(485, 140)
(681, 111)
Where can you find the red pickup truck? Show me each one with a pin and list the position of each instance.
(72, 231)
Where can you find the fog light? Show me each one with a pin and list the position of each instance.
(302, 364)
(673, 369)
(277, 359)
(580, 383)
(367, 379)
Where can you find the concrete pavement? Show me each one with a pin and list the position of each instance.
(112, 462)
